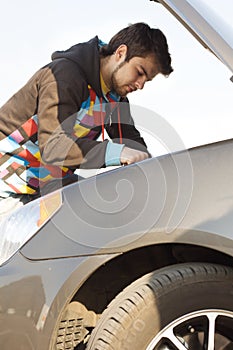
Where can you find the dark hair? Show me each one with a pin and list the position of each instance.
(141, 40)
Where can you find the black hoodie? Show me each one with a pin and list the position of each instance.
(40, 118)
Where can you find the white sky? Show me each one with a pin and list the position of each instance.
(196, 100)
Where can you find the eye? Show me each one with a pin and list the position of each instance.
(140, 73)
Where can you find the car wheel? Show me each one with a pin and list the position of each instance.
(186, 306)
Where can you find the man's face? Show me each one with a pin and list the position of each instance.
(130, 76)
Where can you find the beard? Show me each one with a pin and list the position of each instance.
(120, 90)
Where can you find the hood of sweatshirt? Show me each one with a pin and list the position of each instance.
(86, 56)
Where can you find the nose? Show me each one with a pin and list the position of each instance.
(140, 83)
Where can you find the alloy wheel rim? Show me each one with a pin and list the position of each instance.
(209, 329)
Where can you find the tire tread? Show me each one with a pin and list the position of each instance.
(142, 291)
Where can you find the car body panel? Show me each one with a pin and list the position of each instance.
(170, 199)
(208, 28)
(43, 288)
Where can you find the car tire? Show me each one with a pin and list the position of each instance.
(184, 300)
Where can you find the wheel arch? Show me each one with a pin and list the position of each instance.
(113, 276)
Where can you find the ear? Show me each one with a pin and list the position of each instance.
(120, 53)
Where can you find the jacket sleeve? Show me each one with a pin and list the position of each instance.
(57, 110)
(131, 137)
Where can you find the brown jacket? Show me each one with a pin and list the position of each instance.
(50, 127)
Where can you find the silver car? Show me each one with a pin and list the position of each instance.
(140, 257)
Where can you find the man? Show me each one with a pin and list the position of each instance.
(49, 128)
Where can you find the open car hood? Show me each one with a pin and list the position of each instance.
(205, 25)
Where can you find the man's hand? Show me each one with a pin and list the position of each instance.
(130, 155)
